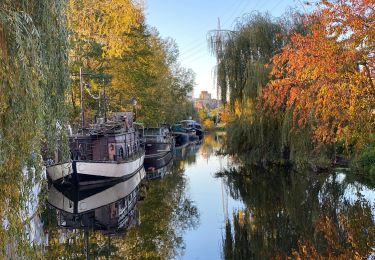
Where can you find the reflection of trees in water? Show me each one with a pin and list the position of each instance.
(165, 213)
(186, 155)
(71, 244)
(212, 143)
(295, 214)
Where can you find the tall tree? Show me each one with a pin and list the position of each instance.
(107, 22)
(99, 32)
(325, 78)
(242, 73)
(122, 53)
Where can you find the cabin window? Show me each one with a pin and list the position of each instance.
(120, 152)
(129, 152)
(111, 151)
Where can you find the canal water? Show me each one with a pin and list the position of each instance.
(205, 205)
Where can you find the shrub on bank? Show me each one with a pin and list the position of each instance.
(365, 161)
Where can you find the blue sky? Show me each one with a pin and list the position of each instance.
(188, 21)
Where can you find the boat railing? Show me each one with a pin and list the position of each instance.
(117, 159)
(131, 151)
(157, 138)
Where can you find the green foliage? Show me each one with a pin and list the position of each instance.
(259, 142)
(365, 161)
(242, 72)
(34, 79)
(242, 54)
(149, 71)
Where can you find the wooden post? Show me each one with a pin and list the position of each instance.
(82, 99)
(105, 103)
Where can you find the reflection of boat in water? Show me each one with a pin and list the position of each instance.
(158, 162)
(158, 173)
(193, 149)
(105, 150)
(187, 153)
(180, 152)
(191, 153)
(159, 144)
(109, 207)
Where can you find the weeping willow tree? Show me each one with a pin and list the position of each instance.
(33, 82)
(241, 74)
(243, 68)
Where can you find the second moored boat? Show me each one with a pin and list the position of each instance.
(159, 144)
(194, 129)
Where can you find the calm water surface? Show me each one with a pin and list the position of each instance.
(206, 206)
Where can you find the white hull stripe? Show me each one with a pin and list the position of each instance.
(103, 169)
(110, 195)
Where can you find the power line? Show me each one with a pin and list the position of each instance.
(200, 53)
(196, 52)
(206, 25)
(197, 56)
(197, 46)
(244, 8)
(194, 57)
(202, 48)
(194, 60)
(190, 52)
(278, 3)
(240, 6)
(235, 14)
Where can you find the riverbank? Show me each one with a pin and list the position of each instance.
(362, 165)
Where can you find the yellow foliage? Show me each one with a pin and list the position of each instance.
(208, 124)
(237, 108)
(225, 115)
(107, 22)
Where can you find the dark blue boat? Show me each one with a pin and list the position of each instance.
(194, 128)
(180, 134)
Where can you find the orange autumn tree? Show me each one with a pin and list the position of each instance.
(325, 78)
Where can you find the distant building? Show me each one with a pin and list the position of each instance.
(204, 95)
(205, 101)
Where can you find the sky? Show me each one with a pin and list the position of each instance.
(189, 21)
